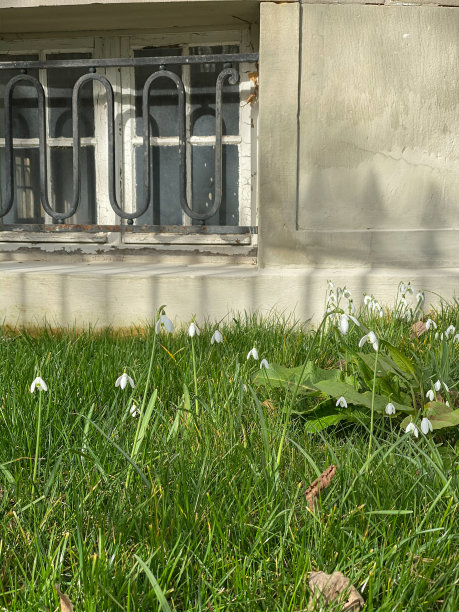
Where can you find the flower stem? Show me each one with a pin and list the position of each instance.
(194, 376)
(37, 445)
(372, 409)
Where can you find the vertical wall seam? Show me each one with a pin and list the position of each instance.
(298, 118)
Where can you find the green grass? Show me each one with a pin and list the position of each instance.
(198, 514)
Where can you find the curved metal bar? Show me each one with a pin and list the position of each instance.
(146, 134)
(8, 192)
(233, 79)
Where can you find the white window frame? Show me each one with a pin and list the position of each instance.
(123, 83)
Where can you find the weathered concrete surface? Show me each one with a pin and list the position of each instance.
(378, 137)
(123, 295)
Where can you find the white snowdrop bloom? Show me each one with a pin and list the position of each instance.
(410, 289)
(370, 337)
(39, 384)
(430, 324)
(390, 408)
(252, 353)
(216, 337)
(264, 364)
(403, 302)
(430, 395)
(164, 323)
(193, 330)
(367, 300)
(330, 284)
(403, 288)
(341, 402)
(437, 385)
(445, 386)
(447, 404)
(412, 427)
(123, 380)
(456, 338)
(450, 331)
(439, 336)
(347, 294)
(134, 411)
(420, 297)
(343, 324)
(426, 426)
(331, 299)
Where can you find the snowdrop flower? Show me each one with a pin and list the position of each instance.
(343, 324)
(331, 299)
(409, 289)
(346, 293)
(403, 288)
(123, 380)
(377, 306)
(134, 411)
(217, 337)
(447, 404)
(450, 331)
(420, 297)
(264, 364)
(390, 408)
(367, 300)
(426, 426)
(412, 427)
(164, 323)
(193, 330)
(437, 385)
(430, 324)
(330, 285)
(430, 395)
(252, 353)
(370, 337)
(437, 336)
(403, 302)
(456, 338)
(341, 402)
(39, 384)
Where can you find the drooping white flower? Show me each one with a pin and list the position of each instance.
(264, 364)
(439, 336)
(39, 384)
(403, 288)
(437, 385)
(164, 323)
(193, 330)
(331, 299)
(343, 324)
(331, 285)
(430, 324)
(341, 402)
(134, 411)
(447, 404)
(430, 395)
(403, 302)
(367, 300)
(123, 380)
(370, 337)
(456, 338)
(412, 427)
(450, 331)
(216, 337)
(426, 426)
(420, 297)
(253, 353)
(390, 408)
(410, 289)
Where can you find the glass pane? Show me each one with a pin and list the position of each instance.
(26, 207)
(61, 196)
(203, 82)
(163, 94)
(204, 188)
(60, 88)
(164, 204)
(25, 122)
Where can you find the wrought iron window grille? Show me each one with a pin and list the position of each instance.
(227, 75)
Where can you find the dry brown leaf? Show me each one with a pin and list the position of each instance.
(320, 483)
(66, 604)
(328, 588)
(417, 329)
(253, 76)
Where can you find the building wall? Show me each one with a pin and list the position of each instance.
(359, 146)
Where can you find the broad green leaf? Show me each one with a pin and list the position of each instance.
(441, 415)
(327, 414)
(302, 377)
(337, 388)
(400, 359)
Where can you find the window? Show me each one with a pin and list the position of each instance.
(238, 141)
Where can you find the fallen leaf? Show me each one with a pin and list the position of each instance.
(253, 76)
(66, 604)
(417, 329)
(328, 588)
(320, 483)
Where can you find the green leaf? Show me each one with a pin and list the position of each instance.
(302, 377)
(400, 359)
(441, 415)
(327, 414)
(337, 388)
(165, 607)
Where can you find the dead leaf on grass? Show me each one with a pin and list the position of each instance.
(66, 604)
(417, 329)
(312, 492)
(329, 588)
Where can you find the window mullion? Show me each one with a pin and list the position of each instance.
(186, 78)
(43, 77)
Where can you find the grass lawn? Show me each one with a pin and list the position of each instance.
(198, 502)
